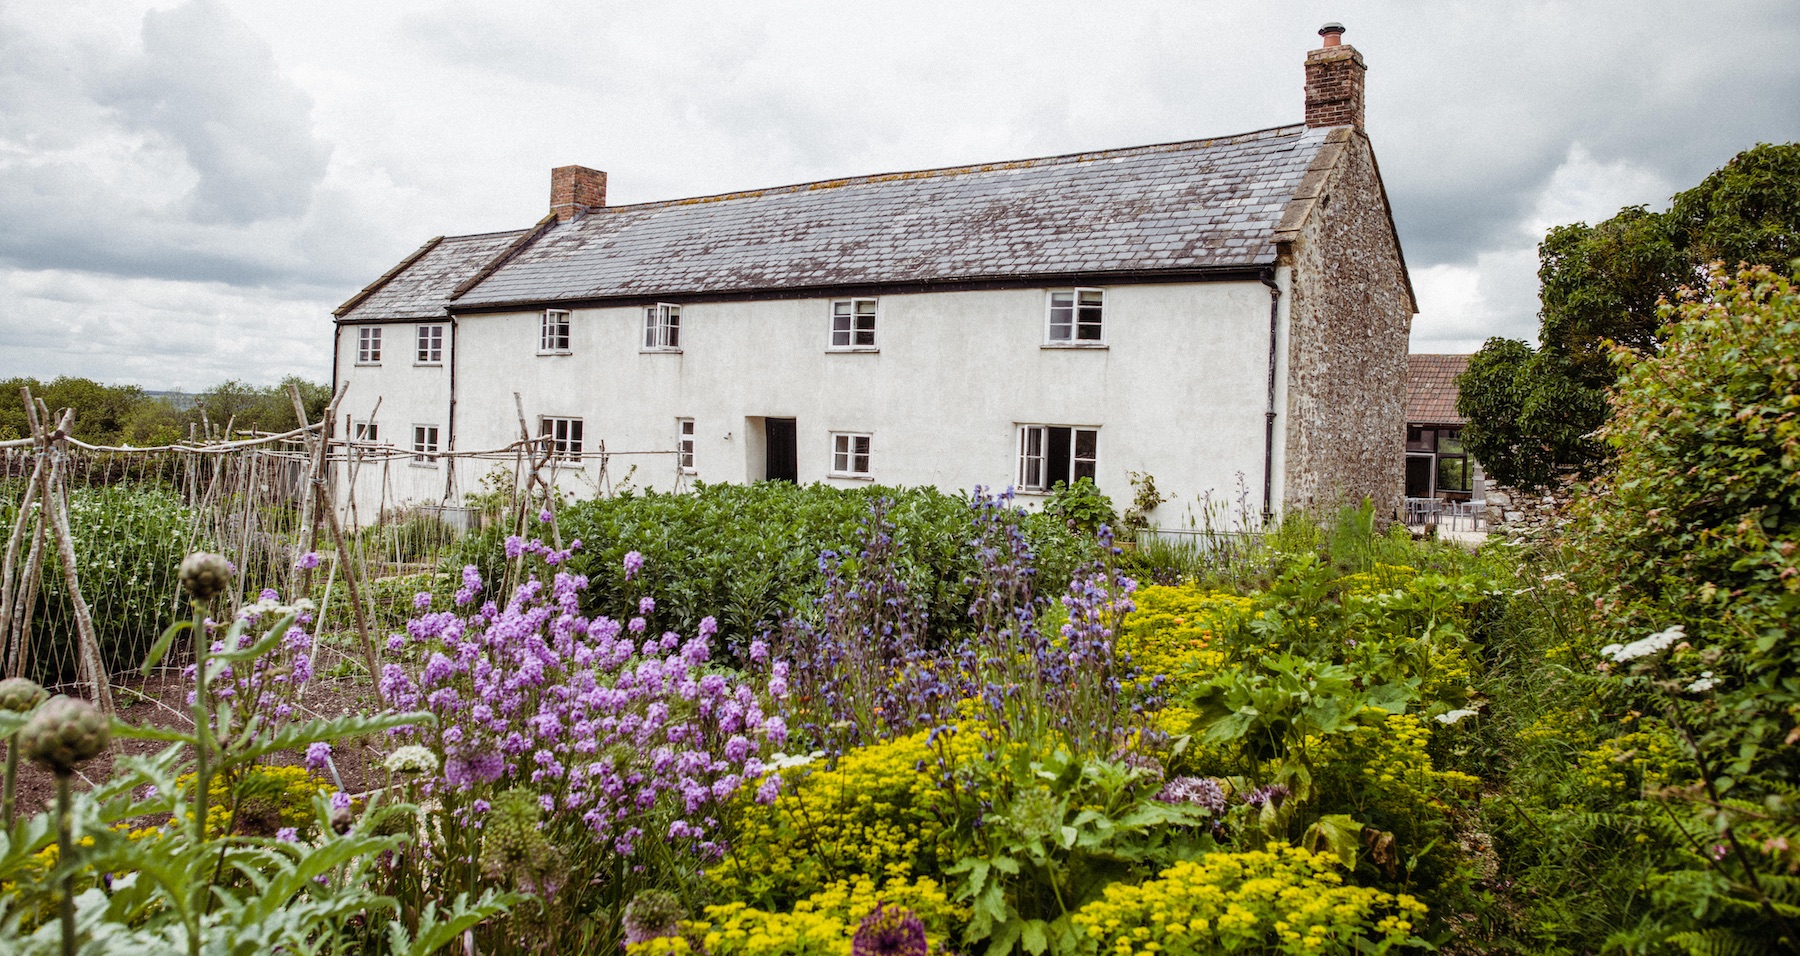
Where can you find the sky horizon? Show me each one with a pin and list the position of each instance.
(189, 187)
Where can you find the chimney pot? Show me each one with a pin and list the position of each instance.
(1334, 82)
(575, 190)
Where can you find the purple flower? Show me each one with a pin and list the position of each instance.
(340, 800)
(759, 650)
(515, 546)
(269, 594)
(544, 516)
(637, 625)
(422, 600)
(1198, 791)
(769, 789)
(318, 755)
(634, 562)
(308, 561)
(890, 931)
(737, 748)
(646, 604)
(288, 835)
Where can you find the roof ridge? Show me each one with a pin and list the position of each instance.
(486, 235)
(1057, 158)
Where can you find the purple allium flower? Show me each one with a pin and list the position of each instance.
(288, 835)
(1274, 793)
(318, 755)
(634, 562)
(308, 561)
(422, 600)
(1198, 791)
(890, 931)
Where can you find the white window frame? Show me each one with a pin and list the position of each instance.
(684, 446)
(567, 436)
(555, 333)
(428, 344)
(368, 345)
(424, 445)
(662, 328)
(1070, 330)
(846, 450)
(853, 312)
(1032, 444)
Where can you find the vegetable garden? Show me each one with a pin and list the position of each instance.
(777, 720)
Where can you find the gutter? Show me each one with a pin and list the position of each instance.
(1268, 279)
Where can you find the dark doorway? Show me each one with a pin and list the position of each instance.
(783, 463)
(1418, 476)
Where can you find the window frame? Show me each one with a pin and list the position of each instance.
(428, 344)
(572, 441)
(1075, 323)
(850, 454)
(684, 446)
(851, 330)
(662, 328)
(368, 345)
(556, 336)
(1025, 456)
(425, 442)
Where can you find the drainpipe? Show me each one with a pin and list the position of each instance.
(450, 424)
(1268, 279)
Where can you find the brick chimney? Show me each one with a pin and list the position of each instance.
(576, 189)
(1334, 81)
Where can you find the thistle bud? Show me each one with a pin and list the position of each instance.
(19, 695)
(205, 575)
(65, 732)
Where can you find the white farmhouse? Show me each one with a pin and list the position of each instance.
(1207, 312)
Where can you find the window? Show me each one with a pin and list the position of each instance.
(367, 431)
(850, 455)
(368, 345)
(564, 435)
(853, 324)
(1075, 316)
(684, 444)
(1437, 464)
(425, 444)
(662, 328)
(431, 345)
(1056, 454)
(553, 339)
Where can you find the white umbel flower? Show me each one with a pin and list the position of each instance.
(410, 759)
(1645, 646)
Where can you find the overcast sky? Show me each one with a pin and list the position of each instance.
(188, 188)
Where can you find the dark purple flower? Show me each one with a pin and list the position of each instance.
(890, 931)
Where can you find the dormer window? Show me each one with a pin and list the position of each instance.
(553, 334)
(662, 328)
(1076, 317)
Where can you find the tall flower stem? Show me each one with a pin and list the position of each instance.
(203, 744)
(11, 785)
(65, 850)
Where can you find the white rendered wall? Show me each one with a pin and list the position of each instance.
(1179, 391)
(410, 393)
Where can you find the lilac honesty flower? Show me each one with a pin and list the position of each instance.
(422, 600)
(759, 650)
(634, 562)
(269, 594)
(288, 835)
(637, 625)
(340, 800)
(646, 604)
(769, 789)
(308, 561)
(318, 755)
(396, 643)
(544, 516)
(515, 546)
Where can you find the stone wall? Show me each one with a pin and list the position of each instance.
(1349, 318)
(1515, 513)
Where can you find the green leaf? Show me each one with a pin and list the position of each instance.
(1336, 833)
(1032, 936)
(161, 646)
(134, 732)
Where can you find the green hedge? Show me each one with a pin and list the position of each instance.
(747, 553)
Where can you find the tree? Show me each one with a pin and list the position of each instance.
(101, 411)
(1532, 414)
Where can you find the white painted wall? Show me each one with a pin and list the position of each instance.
(1179, 391)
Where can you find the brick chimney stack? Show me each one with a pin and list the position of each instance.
(575, 189)
(1334, 81)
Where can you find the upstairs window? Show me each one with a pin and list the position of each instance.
(564, 435)
(1076, 317)
(425, 444)
(368, 345)
(662, 328)
(850, 455)
(367, 432)
(431, 345)
(1056, 454)
(853, 324)
(684, 444)
(553, 338)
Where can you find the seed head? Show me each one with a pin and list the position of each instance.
(19, 694)
(890, 931)
(65, 732)
(205, 575)
(652, 914)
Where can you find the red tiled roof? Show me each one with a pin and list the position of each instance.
(1431, 389)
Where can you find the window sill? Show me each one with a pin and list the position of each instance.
(424, 464)
(544, 354)
(368, 364)
(688, 471)
(659, 351)
(428, 365)
(1097, 346)
(852, 349)
(849, 477)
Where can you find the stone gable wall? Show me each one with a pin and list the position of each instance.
(1349, 318)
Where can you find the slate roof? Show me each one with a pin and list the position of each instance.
(1176, 207)
(420, 287)
(1431, 388)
